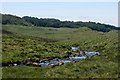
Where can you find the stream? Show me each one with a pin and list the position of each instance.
(53, 62)
(56, 61)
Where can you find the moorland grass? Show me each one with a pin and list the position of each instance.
(23, 42)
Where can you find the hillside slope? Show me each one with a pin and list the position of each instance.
(48, 22)
(23, 42)
(55, 23)
(12, 19)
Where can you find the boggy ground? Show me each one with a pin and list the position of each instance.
(23, 42)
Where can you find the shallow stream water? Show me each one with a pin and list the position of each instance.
(55, 61)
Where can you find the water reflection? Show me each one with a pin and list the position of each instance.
(55, 61)
(67, 60)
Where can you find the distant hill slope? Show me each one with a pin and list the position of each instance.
(51, 22)
(47, 22)
(11, 19)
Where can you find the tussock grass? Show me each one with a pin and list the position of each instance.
(41, 42)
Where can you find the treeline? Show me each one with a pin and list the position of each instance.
(51, 22)
(12, 19)
(47, 22)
